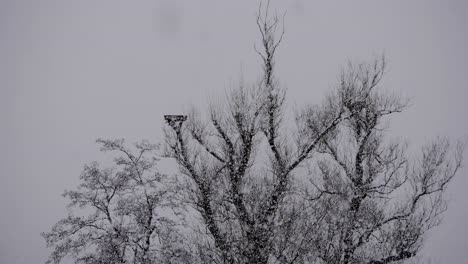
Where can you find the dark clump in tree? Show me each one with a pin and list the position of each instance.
(327, 187)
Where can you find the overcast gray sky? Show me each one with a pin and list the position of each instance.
(73, 71)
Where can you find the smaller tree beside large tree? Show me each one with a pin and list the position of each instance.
(118, 213)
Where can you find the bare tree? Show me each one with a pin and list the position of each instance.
(363, 200)
(118, 213)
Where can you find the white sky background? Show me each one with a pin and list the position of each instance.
(73, 71)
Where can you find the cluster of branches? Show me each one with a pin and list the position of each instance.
(327, 187)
